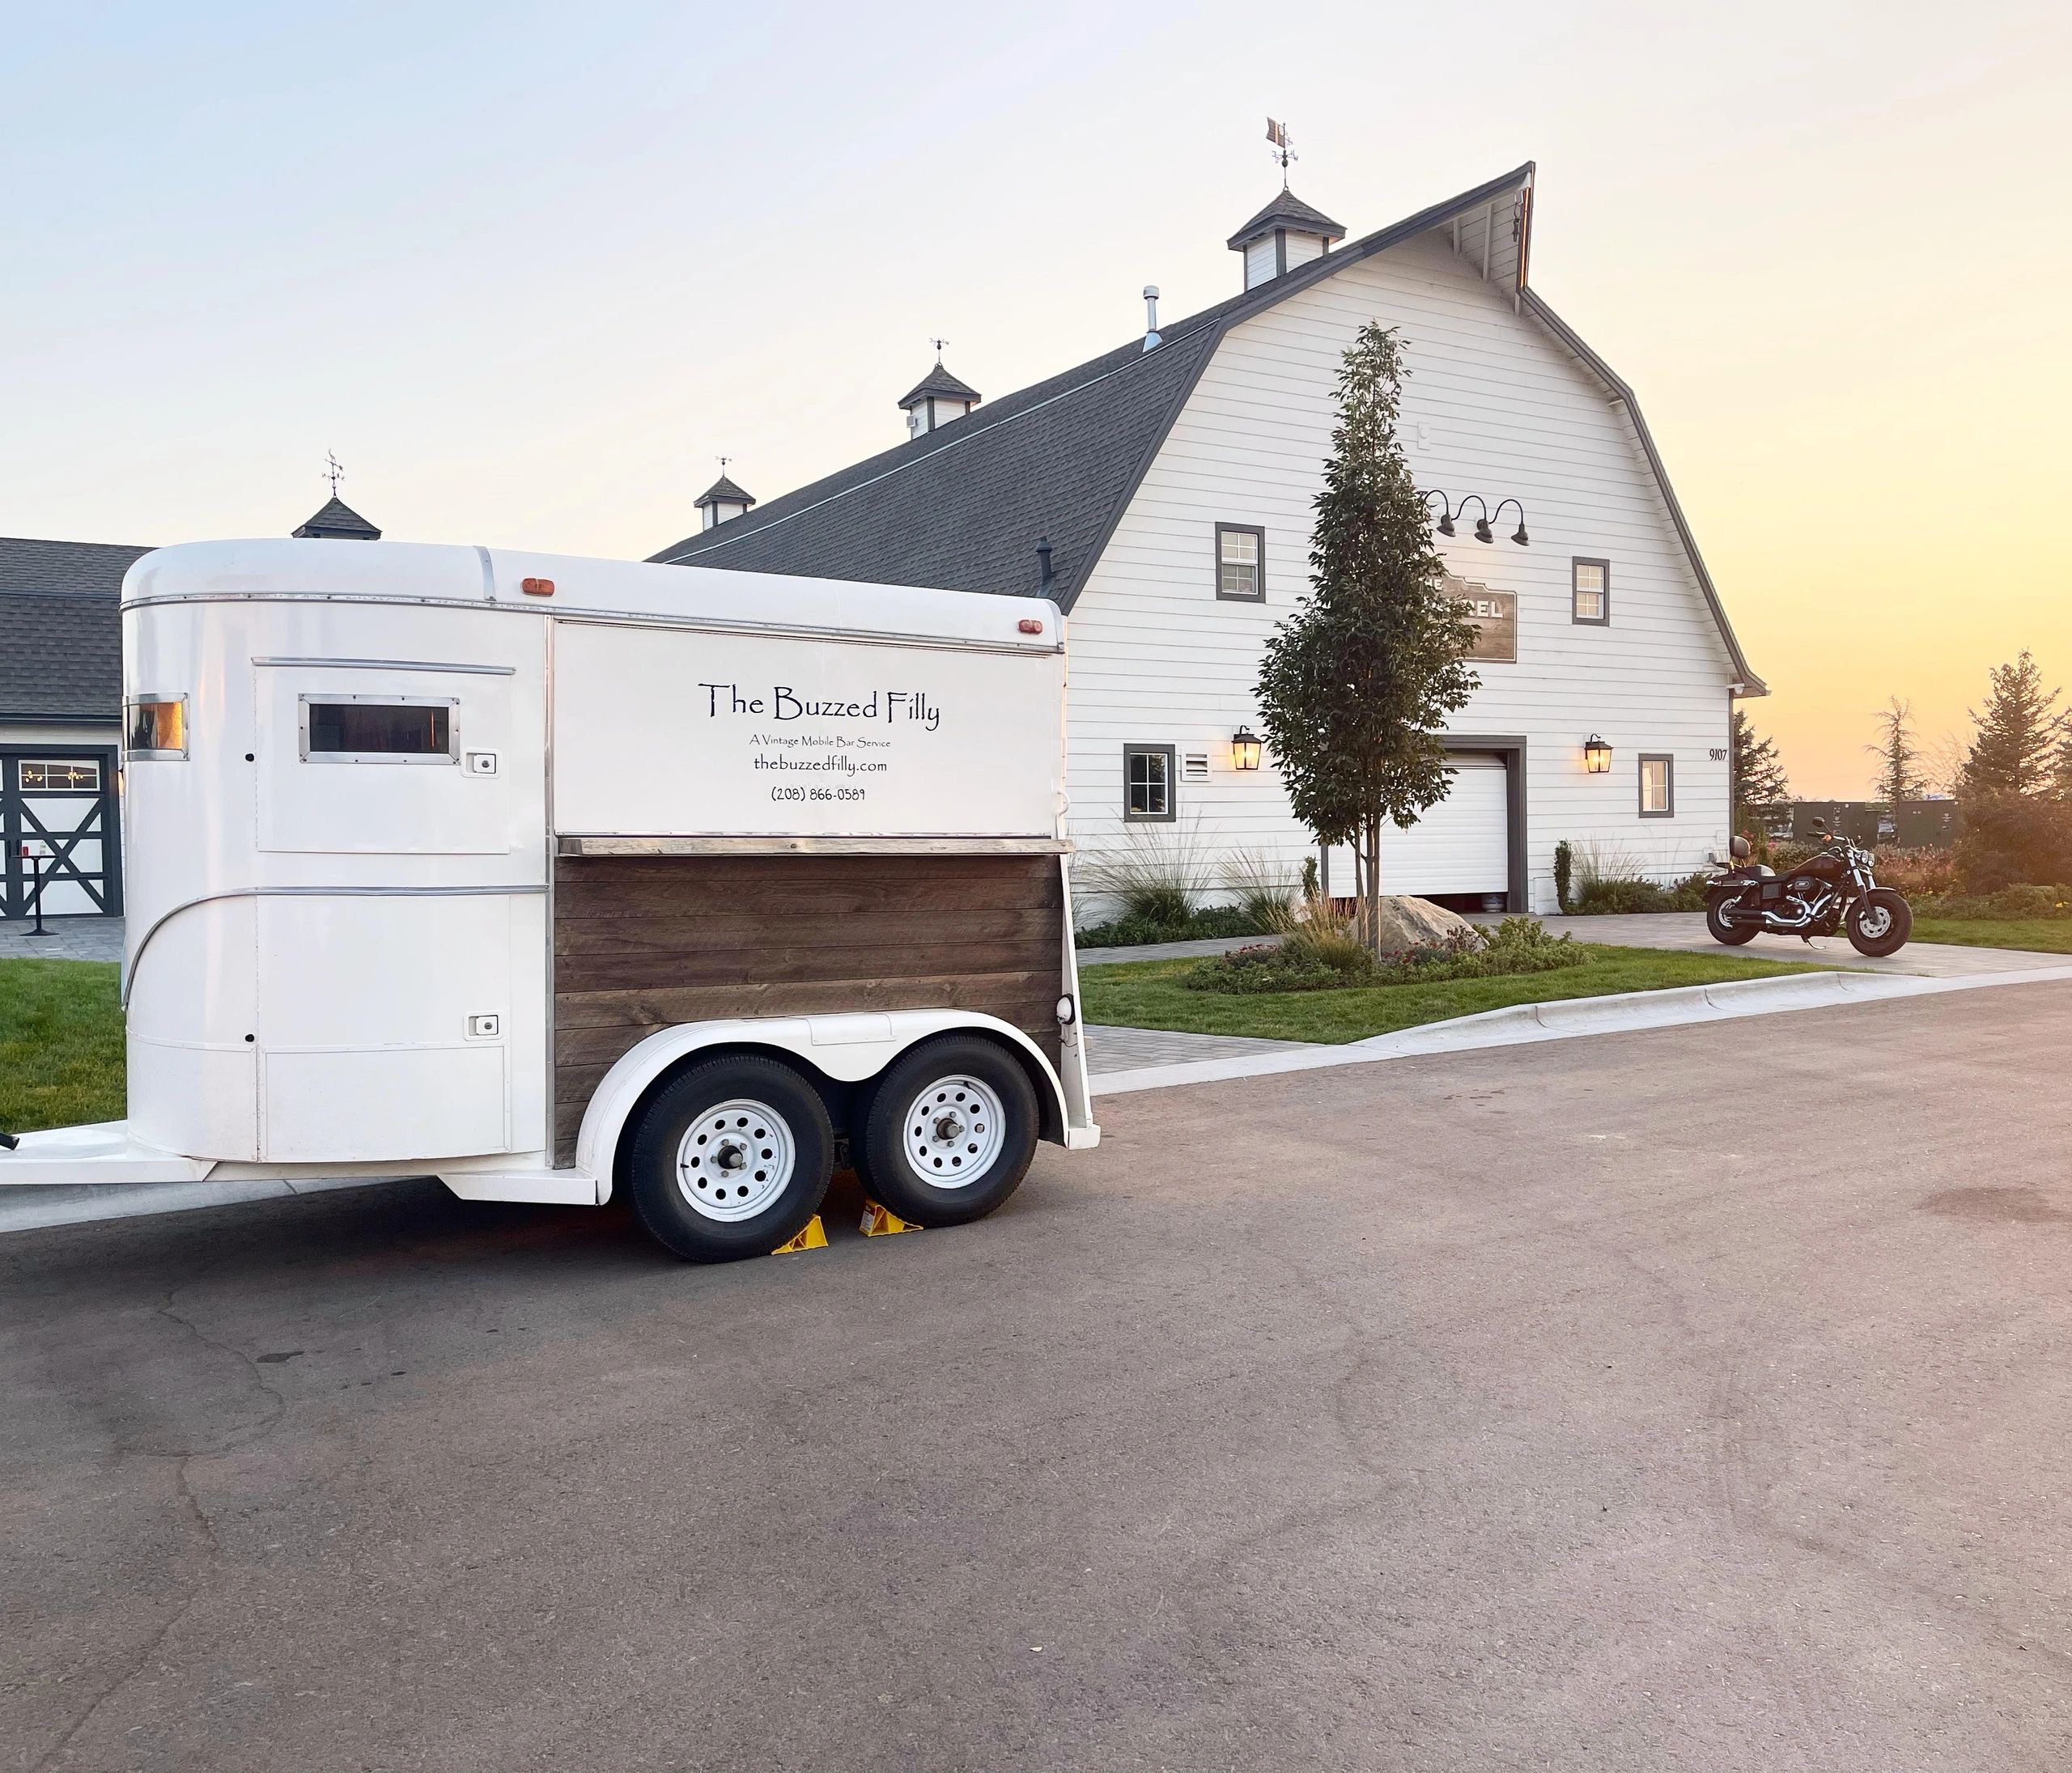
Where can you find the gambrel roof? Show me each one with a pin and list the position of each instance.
(963, 506)
(61, 629)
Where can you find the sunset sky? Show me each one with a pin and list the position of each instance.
(528, 269)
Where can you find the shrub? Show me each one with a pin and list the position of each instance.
(1130, 931)
(2010, 838)
(1919, 874)
(1565, 873)
(1608, 896)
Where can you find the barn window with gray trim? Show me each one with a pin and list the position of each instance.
(1240, 562)
(1147, 782)
(1658, 785)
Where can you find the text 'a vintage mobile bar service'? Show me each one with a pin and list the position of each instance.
(551, 876)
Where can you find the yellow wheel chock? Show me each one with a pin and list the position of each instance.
(882, 1222)
(814, 1236)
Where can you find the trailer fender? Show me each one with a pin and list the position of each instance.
(848, 1048)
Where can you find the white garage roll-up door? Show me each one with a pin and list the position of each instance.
(1461, 844)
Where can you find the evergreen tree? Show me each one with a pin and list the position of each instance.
(1355, 685)
(2017, 732)
(1759, 777)
(1899, 757)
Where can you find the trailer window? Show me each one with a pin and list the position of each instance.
(157, 727)
(378, 729)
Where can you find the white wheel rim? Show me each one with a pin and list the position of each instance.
(1875, 921)
(735, 1160)
(954, 1132)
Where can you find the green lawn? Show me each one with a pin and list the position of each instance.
(60, 1044)
(1148, 994)
(2044, 935)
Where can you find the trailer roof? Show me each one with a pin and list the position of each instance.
(420, 573)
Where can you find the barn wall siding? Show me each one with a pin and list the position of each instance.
(1493, 406)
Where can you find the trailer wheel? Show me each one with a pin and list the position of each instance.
(952, 1127)
(731, 1159)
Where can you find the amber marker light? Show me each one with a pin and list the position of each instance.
(1029, 624)
(536, 587)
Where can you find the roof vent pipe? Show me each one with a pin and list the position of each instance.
(1045, 575)
(1151, 316)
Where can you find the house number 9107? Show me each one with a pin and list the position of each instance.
(1719, 753)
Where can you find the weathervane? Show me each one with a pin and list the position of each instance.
(334, 471)
(938, 343)
(723, 460)
(1277, 134)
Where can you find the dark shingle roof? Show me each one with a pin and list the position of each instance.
(61, 629)
(941, 383)
(340, 522)
(962, 507)
(723, 491)
(1289, 211)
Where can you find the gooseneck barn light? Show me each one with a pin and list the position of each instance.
(1484, 525)
(1244, 748)
(1596, 756)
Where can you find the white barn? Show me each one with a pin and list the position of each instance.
(1162, 494)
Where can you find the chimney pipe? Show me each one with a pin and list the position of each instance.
(1151, 316)
(1043, 563)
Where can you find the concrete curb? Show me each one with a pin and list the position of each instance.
(1526, 1023)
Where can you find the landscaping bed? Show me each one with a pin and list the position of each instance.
(60, 1044)
(1154, 993)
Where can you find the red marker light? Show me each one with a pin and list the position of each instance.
(1030, 626)
(536, 587)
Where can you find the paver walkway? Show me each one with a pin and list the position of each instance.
(1110, 1048)
(64, 939)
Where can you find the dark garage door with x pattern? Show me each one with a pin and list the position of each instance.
(62, 802)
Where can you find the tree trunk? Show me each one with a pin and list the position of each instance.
(1371, 843)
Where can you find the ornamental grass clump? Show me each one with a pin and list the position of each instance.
(1322, 952)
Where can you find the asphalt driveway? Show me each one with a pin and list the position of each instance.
(1696, 1399)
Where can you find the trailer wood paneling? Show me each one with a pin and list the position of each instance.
(643, 942)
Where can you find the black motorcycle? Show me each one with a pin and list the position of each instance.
(1832, 890)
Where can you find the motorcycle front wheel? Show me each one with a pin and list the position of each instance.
(1733, 934)
(1879, 922)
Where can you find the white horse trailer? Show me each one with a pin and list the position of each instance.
(551, 876)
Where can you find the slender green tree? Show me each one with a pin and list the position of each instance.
(1898, 755)
(1759, 777)
(1356, 684)
(2016, 733)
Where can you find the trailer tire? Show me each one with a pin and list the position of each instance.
(952, 1127)
(730, 1158)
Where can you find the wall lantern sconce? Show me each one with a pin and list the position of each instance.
(1596, 756)
(1519, 535)
(1445, 526)
(1482, 522)
(1244, 748)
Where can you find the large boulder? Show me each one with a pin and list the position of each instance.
(1415, 923)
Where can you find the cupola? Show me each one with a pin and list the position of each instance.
(937, 399)
(1286, 233)
(338, 521)
(721, 500)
